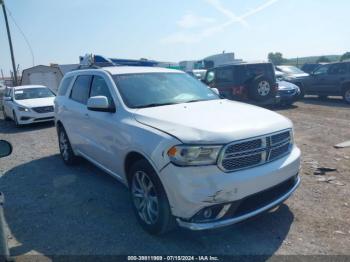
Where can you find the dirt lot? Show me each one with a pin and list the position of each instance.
(52, 209)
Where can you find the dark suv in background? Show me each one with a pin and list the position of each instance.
(254, 82)
(327, 80)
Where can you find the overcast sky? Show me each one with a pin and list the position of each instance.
(60, 31)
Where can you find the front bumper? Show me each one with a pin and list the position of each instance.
(288, 97)
(30, 117)
(239, 218)
(191, 189)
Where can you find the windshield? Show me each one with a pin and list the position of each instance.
(156, 89)
(32, 93)
(291, 70)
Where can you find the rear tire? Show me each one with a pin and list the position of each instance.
(66, 151)
(346, 95)
(150, 202)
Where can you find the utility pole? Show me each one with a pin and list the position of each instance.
(10, 43)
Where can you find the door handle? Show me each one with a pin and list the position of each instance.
(86, 115)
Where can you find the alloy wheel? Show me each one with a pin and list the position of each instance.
(263, 88)
(145, 197)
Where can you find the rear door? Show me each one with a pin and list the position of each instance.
(317, 82)
(336, 76)
(8, 105)
(75, 116)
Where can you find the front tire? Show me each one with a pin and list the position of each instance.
(149, 199)
(346, 95)
(66, 151)
(16, 119)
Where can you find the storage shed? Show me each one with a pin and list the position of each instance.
(49, 76)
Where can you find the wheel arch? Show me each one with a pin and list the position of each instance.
(132, 157)
(345, 86)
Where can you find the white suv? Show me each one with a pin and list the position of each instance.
(186, 155)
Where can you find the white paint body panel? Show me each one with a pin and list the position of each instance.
(107, 138)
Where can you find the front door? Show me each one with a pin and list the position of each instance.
(318, 81)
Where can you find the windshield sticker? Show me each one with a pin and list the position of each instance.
(18, 92)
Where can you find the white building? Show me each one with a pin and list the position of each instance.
(49, 76)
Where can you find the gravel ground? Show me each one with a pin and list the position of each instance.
(52, 209)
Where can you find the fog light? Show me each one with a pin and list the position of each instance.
(207, 213)
(210, 213)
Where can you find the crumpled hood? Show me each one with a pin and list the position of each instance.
(213, 122)
(37, 102)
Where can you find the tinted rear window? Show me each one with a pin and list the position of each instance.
(64, 86)
(245, 73)
(224, 75)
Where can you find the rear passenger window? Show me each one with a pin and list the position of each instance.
(99, 88)
(224, 75)
(338, 69)
(81, 88)
(64, 86)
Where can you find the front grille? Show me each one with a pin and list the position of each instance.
(253, 144)
(255, 151)
(43, 109)
(287, 92)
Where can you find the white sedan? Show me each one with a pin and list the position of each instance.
(29, 104)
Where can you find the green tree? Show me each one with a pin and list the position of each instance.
(276, 58)
(323, 59)
(345, 56)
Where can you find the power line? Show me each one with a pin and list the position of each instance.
(22, 33)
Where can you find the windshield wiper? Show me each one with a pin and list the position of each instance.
(156, 104)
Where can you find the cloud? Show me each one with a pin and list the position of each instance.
(228, 13)
(183, 37)
(193, 21)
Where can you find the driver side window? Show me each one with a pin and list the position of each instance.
(322, 70)
(99, 87)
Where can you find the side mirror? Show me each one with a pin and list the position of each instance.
(99, 103)
(7, 98)
(5, 148)
(216, 91)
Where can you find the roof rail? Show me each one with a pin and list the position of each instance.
(98, 61)
(94, 61)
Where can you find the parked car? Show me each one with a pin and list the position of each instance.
(187, 155)
(327, 80)
(245, 82)
(310, 67)
(29, 104)
(288, 92)
(291, 71)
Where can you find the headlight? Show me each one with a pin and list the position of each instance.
(183, 155)
(23, 109)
